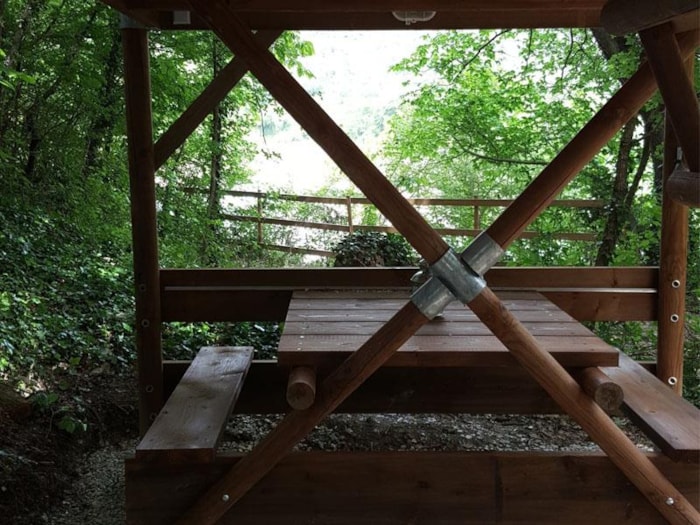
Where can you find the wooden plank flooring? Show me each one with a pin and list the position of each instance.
(322, 328)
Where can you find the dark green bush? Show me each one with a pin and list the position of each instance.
(373, 249)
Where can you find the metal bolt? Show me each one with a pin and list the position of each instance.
(672, 381)
(145, 323)
(225, 498)
(676, 283)
(675, 318)
(670, 501)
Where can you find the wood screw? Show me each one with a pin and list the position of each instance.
(142, 287)
(674, 318)
(149, 389)
(145, 323)
(225, 498)
(676, 283)
(672, 381)
(670, 501)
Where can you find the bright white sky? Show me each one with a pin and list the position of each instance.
(352, 74)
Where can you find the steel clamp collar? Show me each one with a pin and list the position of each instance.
(482, 254)
(464, 283)
(432, 298)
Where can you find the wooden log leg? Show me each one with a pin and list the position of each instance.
(298, 423)
(601, 388)
(203, 105)
(301, 387)
(322, 129)
(683, 187)
(582, 148)
(676, 88)
(567, 393)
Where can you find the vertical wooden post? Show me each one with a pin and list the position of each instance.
(348, 204)
(672, 272)
(143, 220)
(477, 218)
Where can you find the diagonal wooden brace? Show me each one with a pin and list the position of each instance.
(676, 88)
(569, 395)
(204, 104)
(298, 423)
(624, 105)
(322, 129)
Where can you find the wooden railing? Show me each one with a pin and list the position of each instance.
(349, 225)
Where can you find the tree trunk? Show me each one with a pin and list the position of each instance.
(100, 132)
(618, 198)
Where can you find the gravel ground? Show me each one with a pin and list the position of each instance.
(98, 495)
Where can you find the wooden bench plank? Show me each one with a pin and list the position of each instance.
(670, 421)
(190, 424)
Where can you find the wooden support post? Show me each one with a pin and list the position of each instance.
(567, 393)
(582, 148)
(301, 388)
(672, 271)
(203, 105)
(601, 388)
(303, 108)
(676, 88)
(143, 220)
(298, 423)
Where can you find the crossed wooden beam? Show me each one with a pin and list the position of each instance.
(454, 275)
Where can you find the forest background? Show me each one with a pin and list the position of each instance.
(482, 113)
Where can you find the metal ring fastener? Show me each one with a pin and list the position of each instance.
(673, 381)
(675, 318)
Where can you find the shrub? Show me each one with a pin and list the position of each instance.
(373, 249)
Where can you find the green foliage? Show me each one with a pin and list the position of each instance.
(373, 249)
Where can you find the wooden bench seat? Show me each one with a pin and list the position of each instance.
(189, 426)
(670, 421)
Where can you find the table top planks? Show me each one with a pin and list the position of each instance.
(324, 327)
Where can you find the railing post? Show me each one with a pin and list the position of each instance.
(477, 218)
(260, 214)
(348, 204)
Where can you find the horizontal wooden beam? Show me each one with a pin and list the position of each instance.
(450, 488)
(587, 294)
(630, 16)
(368, 14)
(396, 277)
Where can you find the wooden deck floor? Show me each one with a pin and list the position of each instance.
(322, 328)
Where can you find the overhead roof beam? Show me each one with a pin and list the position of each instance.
(377, 14)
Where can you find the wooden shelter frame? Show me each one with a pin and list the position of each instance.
(670, 37)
